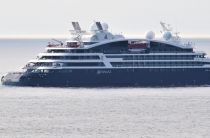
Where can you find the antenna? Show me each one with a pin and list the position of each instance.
(77, 33)
(166, 27)
(76, 26)
(168, 32)
(177, 37)
(77, 29)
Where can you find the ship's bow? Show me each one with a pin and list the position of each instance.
(12, 78)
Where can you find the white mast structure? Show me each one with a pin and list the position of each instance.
(166, 27)
(168, 33)
(77, 33)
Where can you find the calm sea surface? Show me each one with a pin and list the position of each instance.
(98, 113)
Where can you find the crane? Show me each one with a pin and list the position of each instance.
(60, 42)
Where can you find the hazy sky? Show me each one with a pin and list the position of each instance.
(33, 17)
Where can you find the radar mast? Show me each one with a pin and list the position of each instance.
(168, 33)
(166, 27)
(77, 33)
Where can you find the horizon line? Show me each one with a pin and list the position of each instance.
(65, 36)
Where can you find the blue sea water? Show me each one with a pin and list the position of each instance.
(30, 112)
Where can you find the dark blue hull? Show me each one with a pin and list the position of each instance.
(116, 78)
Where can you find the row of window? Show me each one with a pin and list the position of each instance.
(119, 64)
(156, 57)
(71, 57)
(162, 47)
(128, 70)
(79, 64)
(151, 64)
(128, 57)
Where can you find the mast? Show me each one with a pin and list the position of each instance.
(77, 33)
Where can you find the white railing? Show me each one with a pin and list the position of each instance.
(202, 59)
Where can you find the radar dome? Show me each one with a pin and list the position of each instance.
(150, 35)
(101, 36)
(119, 36)
(93, 27)
(105, 26)
(167, 35)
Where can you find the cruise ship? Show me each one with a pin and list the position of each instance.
(99, 58)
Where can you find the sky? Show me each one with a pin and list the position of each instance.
(53, 17)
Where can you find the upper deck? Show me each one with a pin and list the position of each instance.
(100, 40)
(124, 46)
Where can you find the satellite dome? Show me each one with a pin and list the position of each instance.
(105, 26)
(119, 36)
(167, 35)
(102, 36)
(150, 35)
(93, 27)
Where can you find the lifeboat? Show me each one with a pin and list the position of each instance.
(72, 44)
(138, 45)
